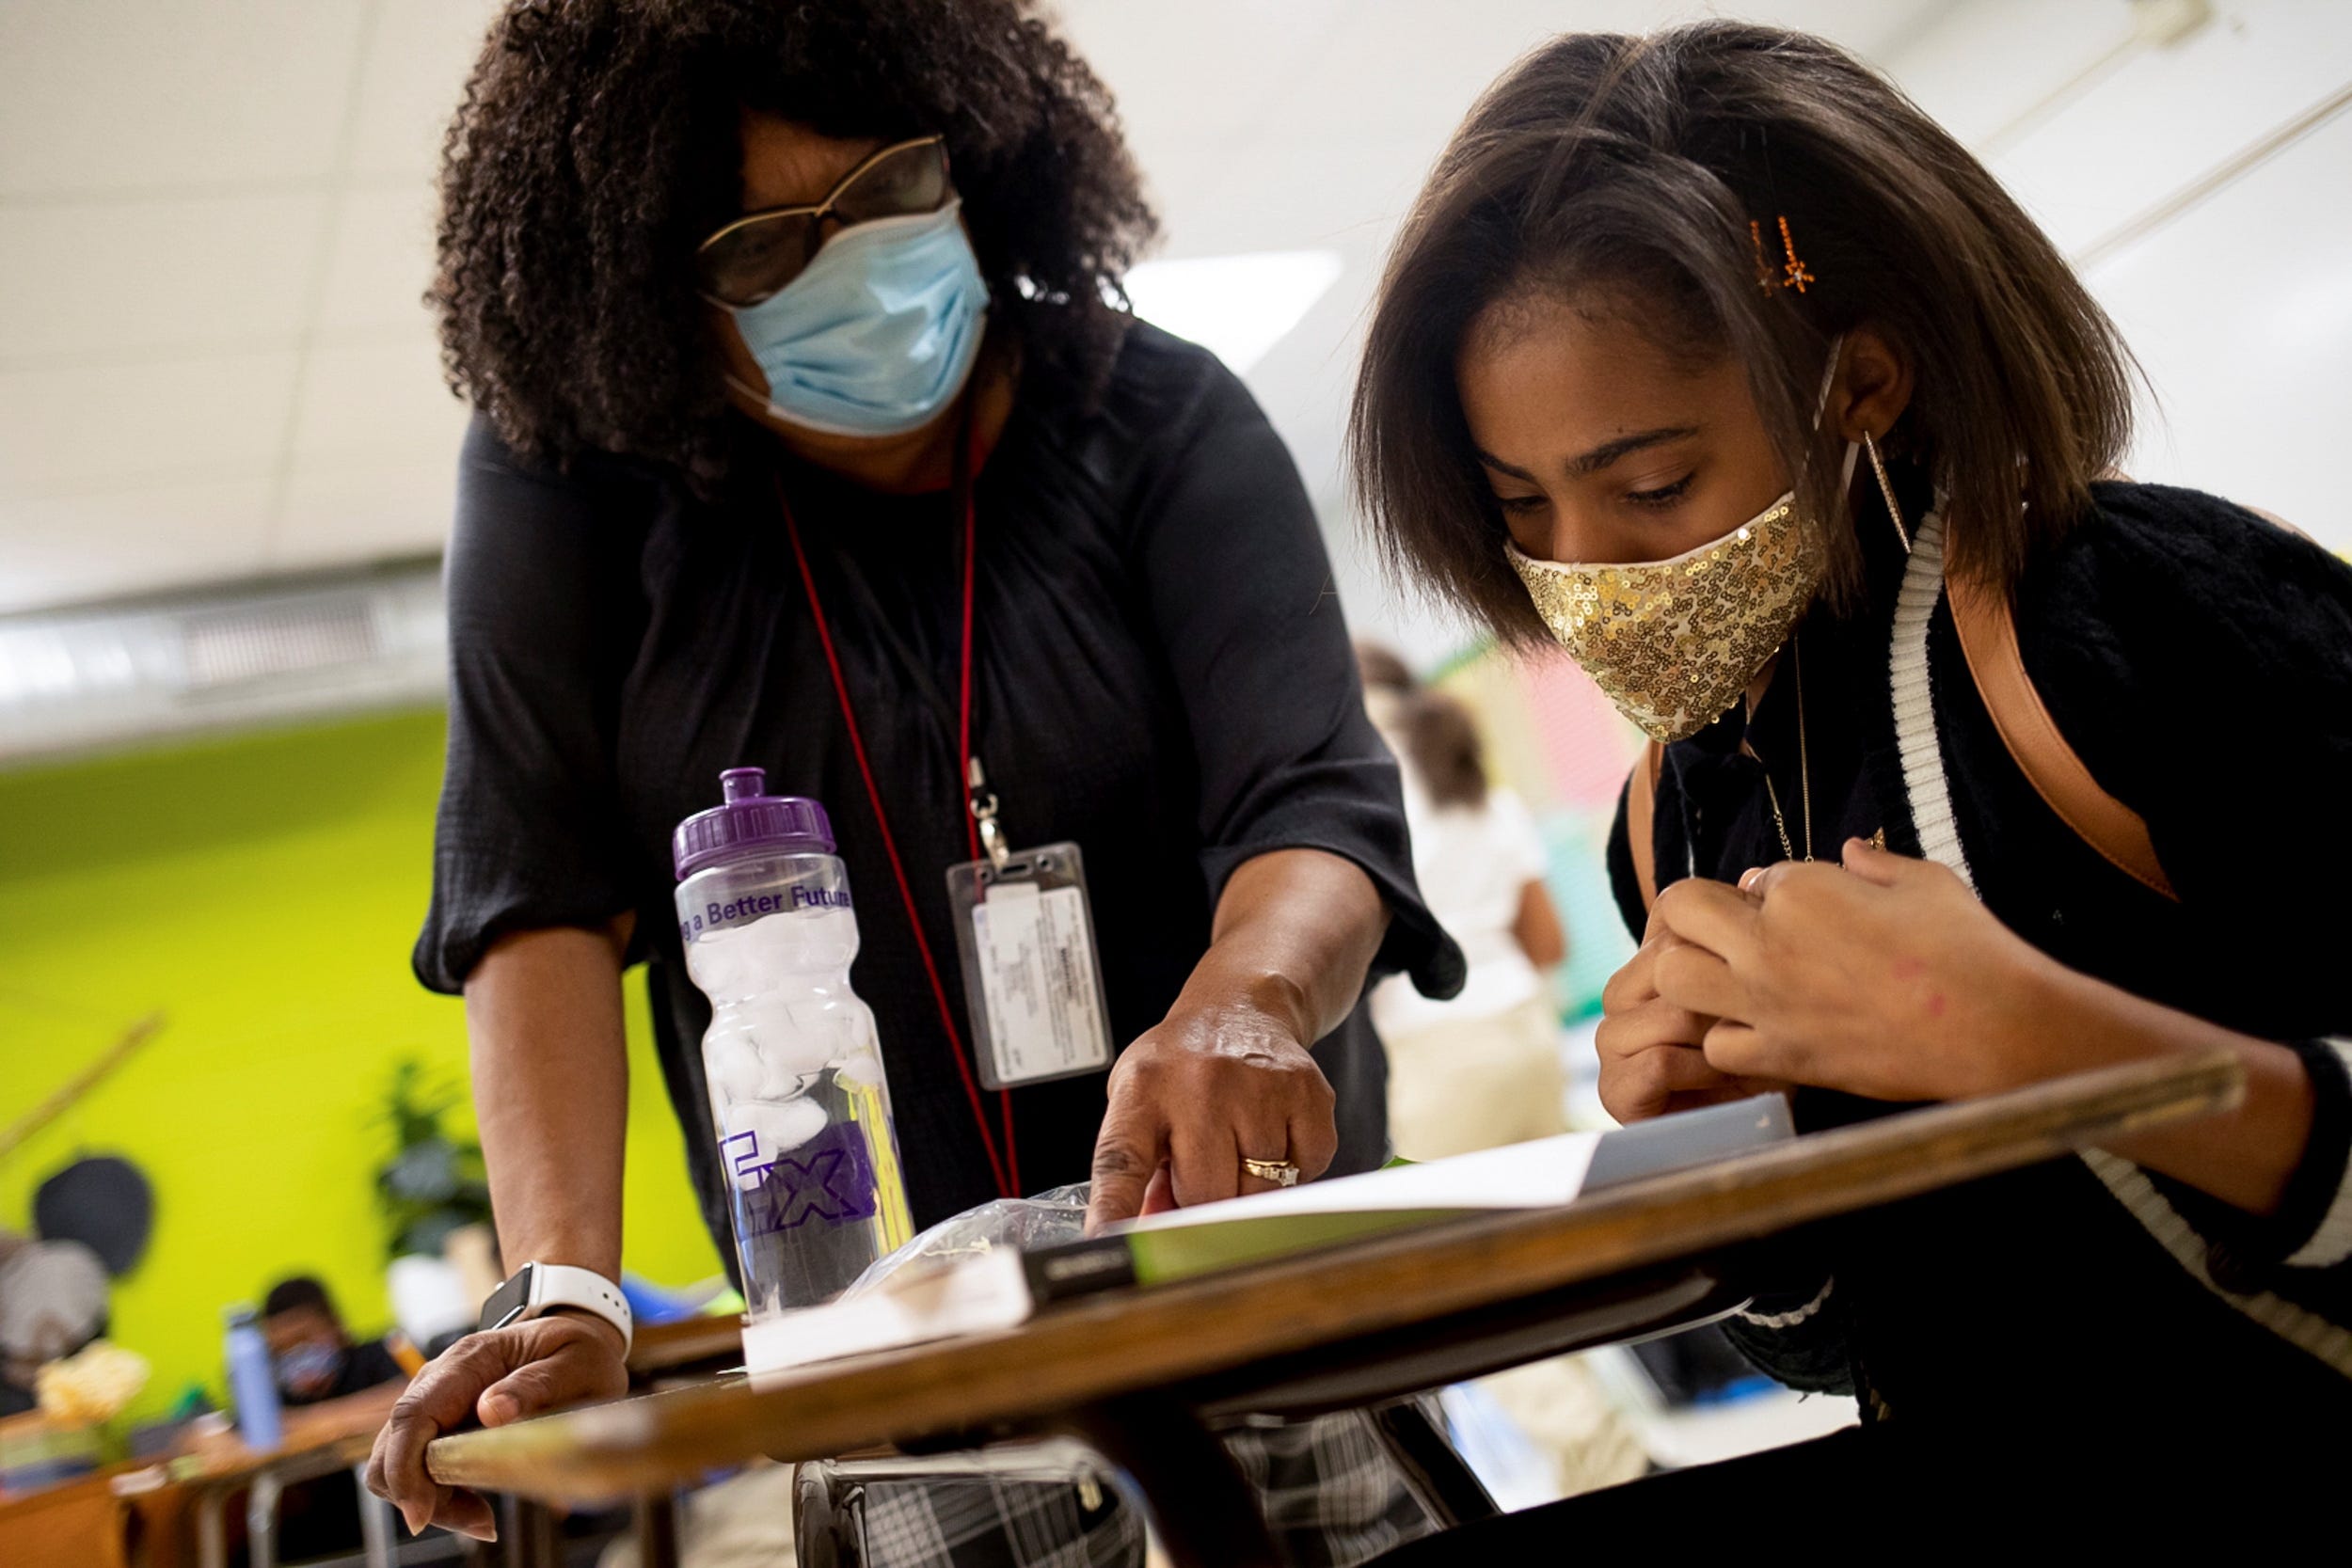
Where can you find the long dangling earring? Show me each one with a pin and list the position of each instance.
(1887, 488)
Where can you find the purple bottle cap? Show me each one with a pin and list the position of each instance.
(750, 823)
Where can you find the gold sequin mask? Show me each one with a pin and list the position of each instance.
(1674, 642)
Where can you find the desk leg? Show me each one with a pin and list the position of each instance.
(1438, 1478)
(261, 1521)
(657, 1530)
(1201, 1510)
(530, 1534)
(375, 1522)
(212, 1534)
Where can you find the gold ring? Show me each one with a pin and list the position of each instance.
(1280, 1172)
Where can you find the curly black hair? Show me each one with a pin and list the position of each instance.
(600, 141)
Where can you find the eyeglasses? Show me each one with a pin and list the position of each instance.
(759, 254)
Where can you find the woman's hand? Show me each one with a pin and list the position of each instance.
(499, 1376)
(1208, 1088)
(1226, 1076)
(1651, 1057)
(1886, 979)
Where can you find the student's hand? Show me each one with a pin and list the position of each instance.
(1652, 1060)
(499, 1376)
(1885, 979)
(1192, 1098)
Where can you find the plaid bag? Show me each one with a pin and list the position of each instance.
(1329, 1493)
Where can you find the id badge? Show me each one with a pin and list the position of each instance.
(1032, 986)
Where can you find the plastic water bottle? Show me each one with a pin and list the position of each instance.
(797, 1091)
(252, 1382)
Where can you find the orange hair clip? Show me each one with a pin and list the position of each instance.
(1764, 279)
(1797, 277)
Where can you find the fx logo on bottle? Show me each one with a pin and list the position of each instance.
(827, 1178)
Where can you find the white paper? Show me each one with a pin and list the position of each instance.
(1540, 1174)
(1037, 974)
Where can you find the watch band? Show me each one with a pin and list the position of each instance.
(537, 1289)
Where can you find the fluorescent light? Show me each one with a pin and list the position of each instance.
(1237, 307)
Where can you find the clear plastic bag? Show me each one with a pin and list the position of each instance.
(1054, 1216)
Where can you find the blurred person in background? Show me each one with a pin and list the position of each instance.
(313, 1351)
(1660, 296)
(331, 1386)
(806, 411)
(1484, 1067)
(1481, 1067)
(53, 1301)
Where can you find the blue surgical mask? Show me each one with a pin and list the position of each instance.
(309, 1370)
(878, 335)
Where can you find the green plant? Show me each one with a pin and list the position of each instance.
(435, 1183)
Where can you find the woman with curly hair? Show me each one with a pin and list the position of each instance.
(811, 435)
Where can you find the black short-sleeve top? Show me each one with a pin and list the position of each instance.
(1161, 673)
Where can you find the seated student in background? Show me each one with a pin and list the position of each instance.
(1483, 1068)
(338, 1386)
(313, 1352)
(1657, 299)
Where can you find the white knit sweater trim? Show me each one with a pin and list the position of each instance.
(1923, 779)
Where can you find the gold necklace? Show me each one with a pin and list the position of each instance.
(1804, 770)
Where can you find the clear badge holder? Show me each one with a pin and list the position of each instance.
(1032, 982)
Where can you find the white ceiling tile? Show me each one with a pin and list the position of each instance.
(340, 517)
(72, 548)
(154, 276)
(1411, 68)
(2248, 376)
(151, 95)
(381, 262)
(365, 401)
(1877, 30)
(1966, 68)
(74, 428)
(1302, 193)
(2085, 177)
(1200, 68)
(418, 55)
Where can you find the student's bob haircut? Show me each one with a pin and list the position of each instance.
(1629, 170)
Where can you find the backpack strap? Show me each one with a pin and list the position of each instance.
(1988, 639)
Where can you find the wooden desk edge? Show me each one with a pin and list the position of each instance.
(664, 1347)
(1095, 1350)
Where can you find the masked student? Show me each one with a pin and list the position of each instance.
(809, 434)
(1708, 356)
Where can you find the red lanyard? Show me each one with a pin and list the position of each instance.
(1006, 1171)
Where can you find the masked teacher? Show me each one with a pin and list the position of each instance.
(807, 438)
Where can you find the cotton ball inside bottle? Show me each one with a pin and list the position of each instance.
(731, 1062)
(794, 1040)
(859, 1063)
(721, 964)
(862, 1068)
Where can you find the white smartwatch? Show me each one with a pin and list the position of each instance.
(538, 1288)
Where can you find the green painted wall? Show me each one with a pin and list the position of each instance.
(261, 894)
